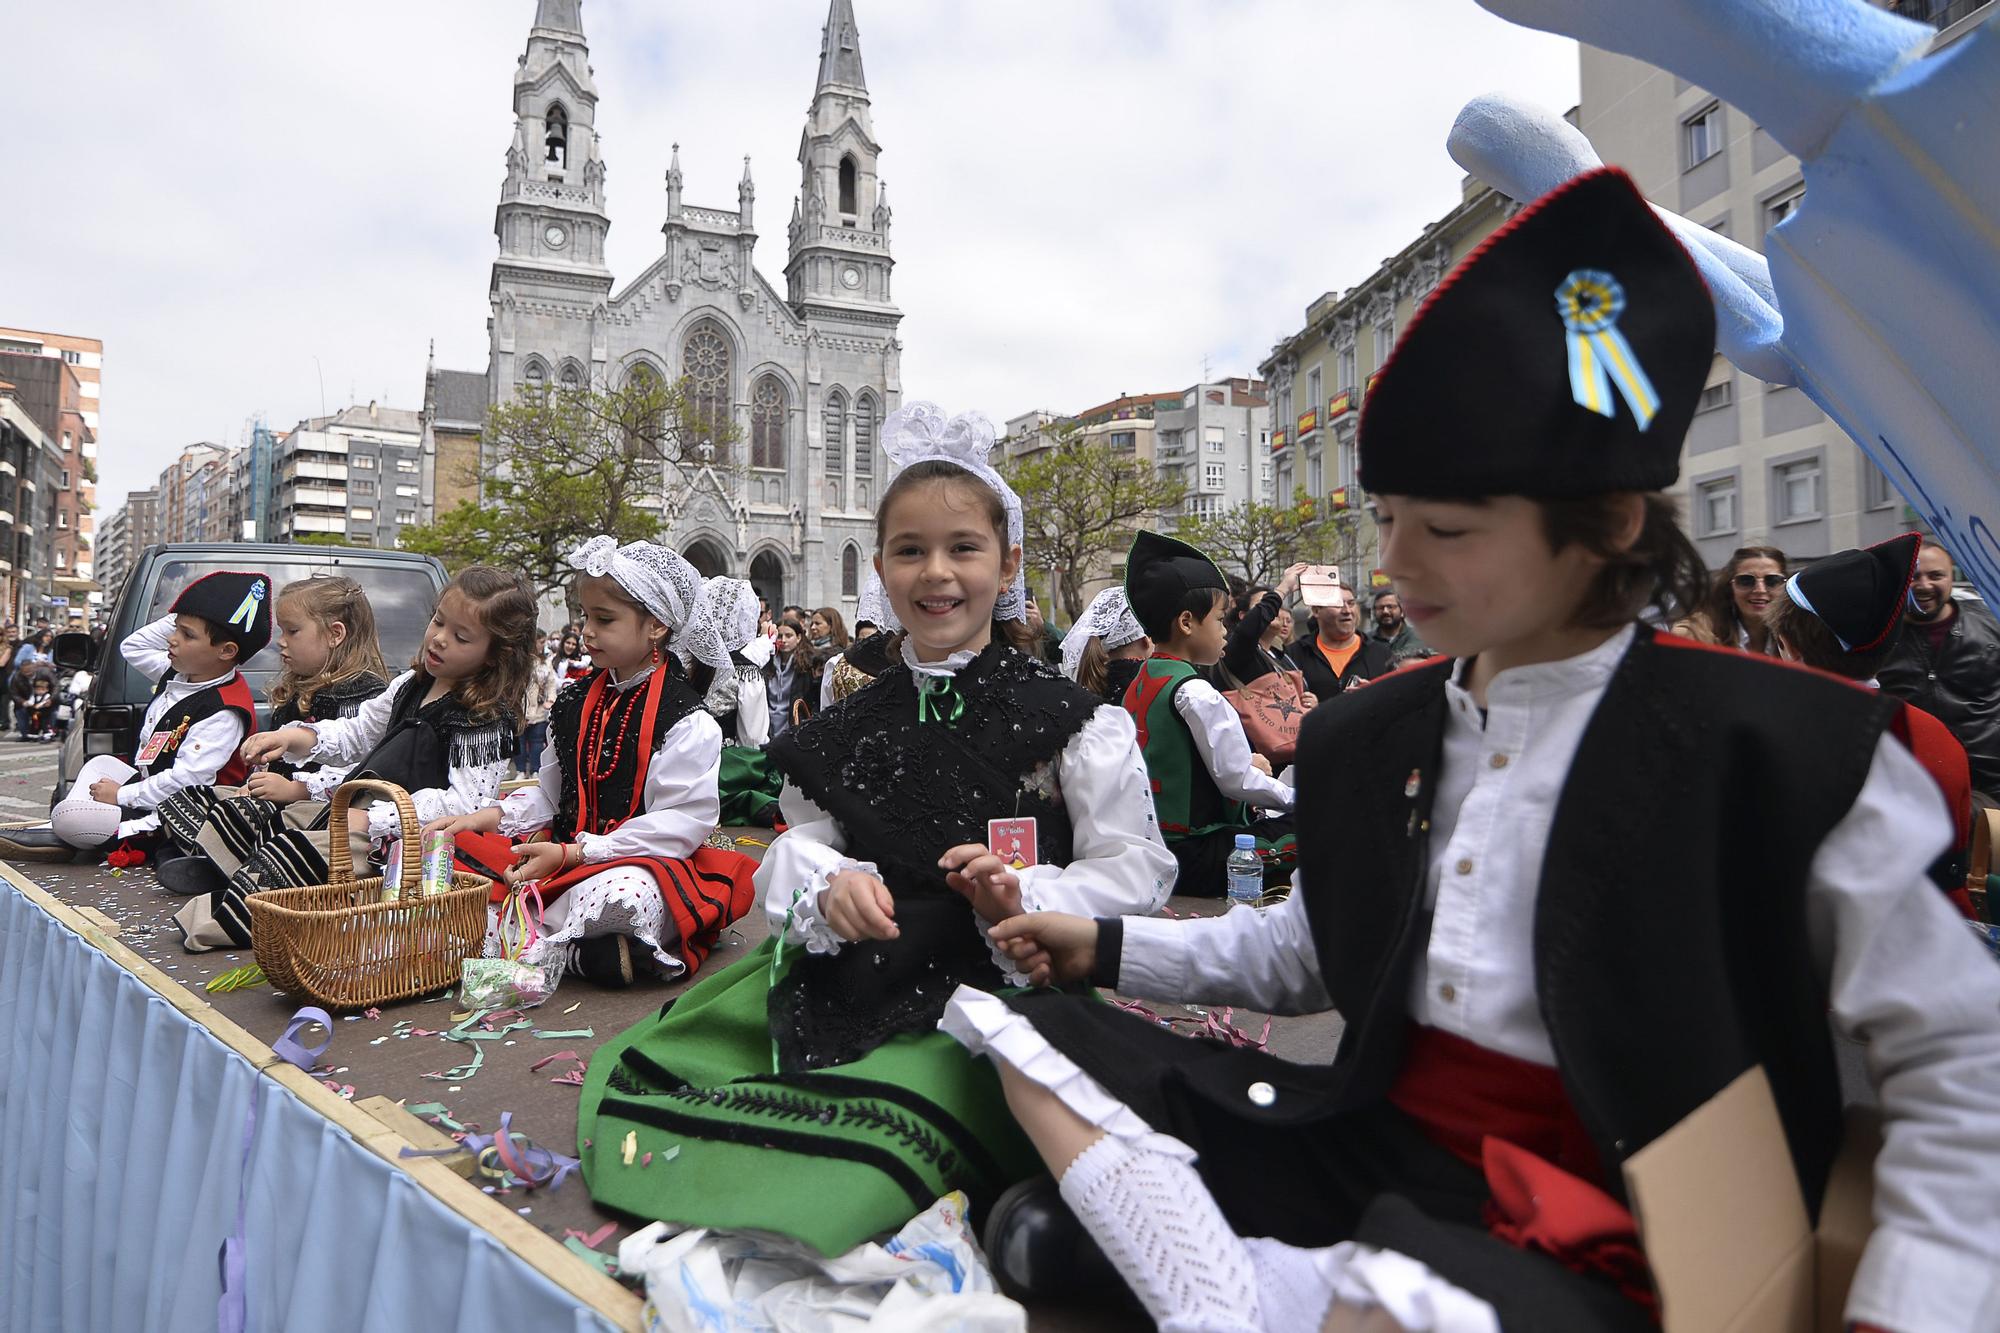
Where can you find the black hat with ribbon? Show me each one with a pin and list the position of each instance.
(237, 605)
(1859, 595)
(1562, 358)
(1160, 572)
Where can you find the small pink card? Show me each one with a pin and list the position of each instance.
(1013, 841)
(154, 744)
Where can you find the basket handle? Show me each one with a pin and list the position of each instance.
(340, 862)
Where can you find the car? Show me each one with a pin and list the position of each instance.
(402, 586)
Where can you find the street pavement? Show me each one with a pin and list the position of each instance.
(27, 772)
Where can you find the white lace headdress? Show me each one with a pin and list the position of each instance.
(665, 584)
(731, 606)
(1108, 617)
(918, 433)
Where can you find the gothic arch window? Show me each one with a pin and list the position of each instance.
(864, 435)
(847, 185)
(535, 374)
(705, 364)
(556, 139)
(850, 571)
(572, 376)
(836, 433)
(767, 423)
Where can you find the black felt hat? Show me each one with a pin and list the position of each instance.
(1563, 358)
(238, 605)
(1159, 574)
(1860, 595)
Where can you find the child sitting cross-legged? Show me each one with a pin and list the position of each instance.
(627, 785)
(1206, 779)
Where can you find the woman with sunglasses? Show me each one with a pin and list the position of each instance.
(1733, 612)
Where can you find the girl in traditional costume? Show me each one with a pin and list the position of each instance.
(735, 695)
(805, 1088)
(1564, 890)
(627, 786)
(1105, 648)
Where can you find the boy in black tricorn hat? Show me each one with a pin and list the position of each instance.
(1206, 779)
(201, 710)
(1565, 885)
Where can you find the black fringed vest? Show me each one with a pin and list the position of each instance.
(904, 793)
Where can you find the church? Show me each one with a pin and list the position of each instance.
(806, 374)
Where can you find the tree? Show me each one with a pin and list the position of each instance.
(1262, 540)
(1081, 499)
(559, 466)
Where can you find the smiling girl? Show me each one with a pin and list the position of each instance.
(628, 784)
(1563, 888)
(805, 1087)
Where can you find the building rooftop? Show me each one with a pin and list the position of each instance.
(461, 397)
(370, 416)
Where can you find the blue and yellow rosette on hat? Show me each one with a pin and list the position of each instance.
(1590, 302)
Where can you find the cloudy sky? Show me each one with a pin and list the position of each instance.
(248, 202)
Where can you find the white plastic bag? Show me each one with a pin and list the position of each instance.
(929, 1278)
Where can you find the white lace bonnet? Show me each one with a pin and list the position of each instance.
(918, 433)
(1108, 617)
(731, 606)
(665, 584)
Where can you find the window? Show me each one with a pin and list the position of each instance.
(847, 186)
(1714, 396)
(1124, 439)
(705, 363)
(832, 494)
(572, 378)
(1797, 490)
(66, 442)
(1701, 136)
(1344, 365)
(556, 140)
(1315, 474)
(767, 423)
(406, 465)
(1876, 492)
(72, 358)
(406, 515)
(836, 433)
(1216, 443)
(366, 462)
(64, 484)
(864, 441)
(1285, 417)
(850, 571)
(536, 374)
(1315, 390)
(1783, 204)
(1715, 507)
(1212, 476)
(62, 518)
(361, 514)
(406, 492)
(1385, 342)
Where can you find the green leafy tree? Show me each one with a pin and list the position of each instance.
(1260, 541)
(563, 465)
(1081, 501)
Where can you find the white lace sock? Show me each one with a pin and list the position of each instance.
(1160, 1228)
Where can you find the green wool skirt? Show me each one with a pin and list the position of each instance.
(832, 1157)
(750, 786)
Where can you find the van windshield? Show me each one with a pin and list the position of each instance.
(401, 595)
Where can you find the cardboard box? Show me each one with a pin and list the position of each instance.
(1725, 1225)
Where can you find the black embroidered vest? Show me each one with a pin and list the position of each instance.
(904, 793)
(341, 699)
(676, 700)
(231, 694)
(424, 742)
(1670, 922)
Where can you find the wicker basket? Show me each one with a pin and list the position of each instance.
(342, 947)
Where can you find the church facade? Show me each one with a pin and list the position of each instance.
(806, 374)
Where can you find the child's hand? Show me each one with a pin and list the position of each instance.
(268, 745)
(1261, 764)
(859, 907)
(536, 860)
(275, 788)
(988, 882)
(105, 790)
(1048, 946)
(479, 821)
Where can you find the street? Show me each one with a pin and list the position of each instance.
(27, 771)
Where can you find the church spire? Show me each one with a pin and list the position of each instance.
(840, 51)
(560, 16)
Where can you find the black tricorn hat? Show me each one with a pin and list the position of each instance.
(1159, 574)
(238, 605)
(1562, 358)
(1860, 595)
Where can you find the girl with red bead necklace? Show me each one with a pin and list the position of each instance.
(628, 786)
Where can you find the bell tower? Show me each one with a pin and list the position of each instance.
(551, 219)
(840, 260)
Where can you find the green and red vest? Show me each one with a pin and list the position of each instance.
(1185, 797)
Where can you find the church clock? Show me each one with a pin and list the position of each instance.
(555, 235)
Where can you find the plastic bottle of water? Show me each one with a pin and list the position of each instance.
(1246, 873)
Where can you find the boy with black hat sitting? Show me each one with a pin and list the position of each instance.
(1205, 777)
(202, 708)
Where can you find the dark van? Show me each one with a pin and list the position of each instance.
(402, 587)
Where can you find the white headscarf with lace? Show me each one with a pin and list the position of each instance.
(1108, 617)
(731, 606)
(665, 584)
(919, 433)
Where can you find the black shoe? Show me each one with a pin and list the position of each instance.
(1039, 1251)
(42, 844)
(190, 875)
(604, 959)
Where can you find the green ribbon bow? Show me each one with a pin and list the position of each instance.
(938, 700)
